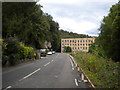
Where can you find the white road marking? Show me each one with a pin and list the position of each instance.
(46, 64)
(72, 65)
(57, 55)
(85, 81)
(52, 60)
(82, 76)
(7, 87)
(76, 83)
(78, 69)
(30, 74)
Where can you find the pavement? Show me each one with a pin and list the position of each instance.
(53, 71)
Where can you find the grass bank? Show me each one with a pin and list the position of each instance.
(103, 73)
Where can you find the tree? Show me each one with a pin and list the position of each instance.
(109, 33)
(67, 49)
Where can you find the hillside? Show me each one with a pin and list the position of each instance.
(67, 34)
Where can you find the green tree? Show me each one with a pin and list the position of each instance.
(67, 49)
(109, 33)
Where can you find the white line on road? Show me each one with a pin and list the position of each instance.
(76, 83)
(57, 55)
(72, 65)
(30, 74)
(7, 87)
(52, 61)
(46, 64)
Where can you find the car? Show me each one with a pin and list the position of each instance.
(43, 52)
(49, 53)
(53, 52)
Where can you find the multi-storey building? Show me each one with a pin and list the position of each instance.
(77, 44)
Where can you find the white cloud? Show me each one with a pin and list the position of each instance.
(80, 16)
(73, 1)
(78, 27)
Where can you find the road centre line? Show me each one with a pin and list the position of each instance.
(30, 74)
(7, 87)
(46, 64)
(57, 55)
(52, 60)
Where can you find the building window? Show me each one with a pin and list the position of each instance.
(80, 48)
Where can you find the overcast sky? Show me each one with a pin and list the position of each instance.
(79, 16)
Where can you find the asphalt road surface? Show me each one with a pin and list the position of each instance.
(53, 71)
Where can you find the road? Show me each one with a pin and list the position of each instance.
(53, 71)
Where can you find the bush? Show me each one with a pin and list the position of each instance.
(67, 49)
(102, 72)
(13, 51)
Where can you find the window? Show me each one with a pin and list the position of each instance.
(81, 48)
(75, 41)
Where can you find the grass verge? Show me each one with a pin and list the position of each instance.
(103, 73)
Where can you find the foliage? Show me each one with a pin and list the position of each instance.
(13, 50)
(110, 32)
(103, 73)
(66, 34)
(67, 49)
(96, 49)
(27, 22)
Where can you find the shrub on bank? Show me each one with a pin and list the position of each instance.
(103, 73)
(13, 51)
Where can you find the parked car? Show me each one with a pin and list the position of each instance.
(43, 52)
(49, 53)
(53, 52)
